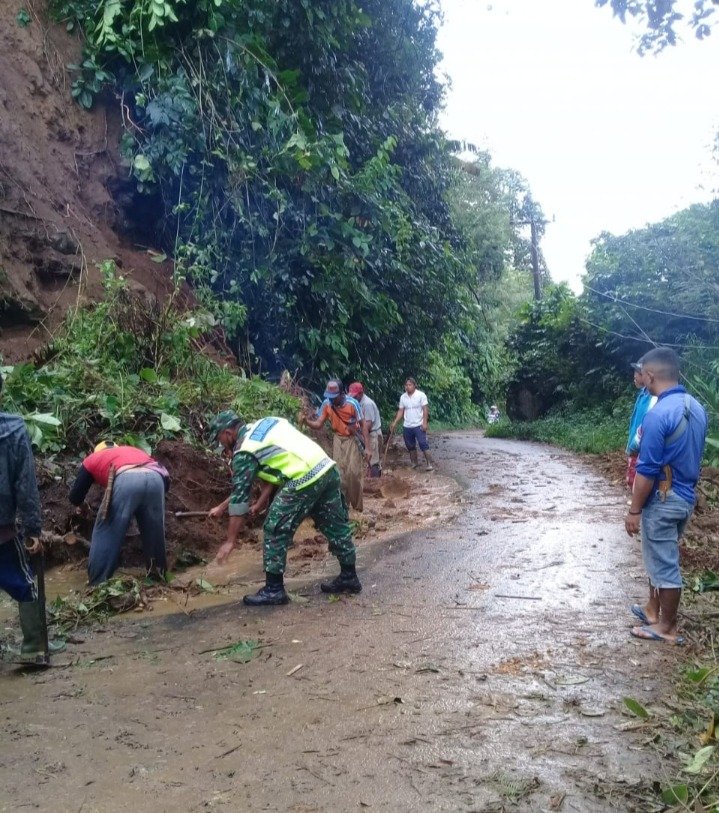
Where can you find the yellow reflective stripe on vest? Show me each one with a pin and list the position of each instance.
(285, 455)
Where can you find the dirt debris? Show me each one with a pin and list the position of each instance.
(164, 724)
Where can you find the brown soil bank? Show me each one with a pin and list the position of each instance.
(58, 165)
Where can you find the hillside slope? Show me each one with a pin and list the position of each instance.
(60, 178)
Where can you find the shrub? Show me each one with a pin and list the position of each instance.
(132, 371)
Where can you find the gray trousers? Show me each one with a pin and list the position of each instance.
(138, 493)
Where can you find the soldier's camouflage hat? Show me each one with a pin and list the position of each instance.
(226, 419)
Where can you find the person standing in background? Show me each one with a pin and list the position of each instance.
(371, 426)
(645, 401)
(414, 409)
(344, 415)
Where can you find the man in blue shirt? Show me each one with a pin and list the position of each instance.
(645, 401)
(672, 445)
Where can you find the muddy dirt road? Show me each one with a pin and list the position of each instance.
(482, 669)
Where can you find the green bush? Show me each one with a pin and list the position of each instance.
(133, 372)
(449, 388)
(593, 431)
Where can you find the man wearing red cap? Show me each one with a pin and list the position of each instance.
(371, 426)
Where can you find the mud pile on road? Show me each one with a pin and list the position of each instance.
(397, 502)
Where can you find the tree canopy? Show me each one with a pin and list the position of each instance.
(286, 154)
(659, 284)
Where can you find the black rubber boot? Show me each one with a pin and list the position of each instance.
(346, 582)
(413, 458)
(273, 593)
(32, 623)
(428, 461)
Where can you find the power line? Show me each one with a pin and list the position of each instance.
(616, 299)
(648, 340)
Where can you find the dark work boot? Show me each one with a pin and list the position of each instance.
(273, 593)
(32, 623)
(413, 458)
(346, 582)
(429, 462)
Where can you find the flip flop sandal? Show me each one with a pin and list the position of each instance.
(638, 611)
(650, 635)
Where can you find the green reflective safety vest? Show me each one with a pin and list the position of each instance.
(285, 455)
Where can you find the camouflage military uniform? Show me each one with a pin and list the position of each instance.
(322, 500)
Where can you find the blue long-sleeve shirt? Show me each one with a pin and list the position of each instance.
(684, 455)
(18, 485)
(641, 407)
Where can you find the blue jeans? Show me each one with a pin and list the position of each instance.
(16, 576)
(663, 524)
(413, 436)
(140, 493)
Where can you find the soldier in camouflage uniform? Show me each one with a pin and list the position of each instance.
(308, 486)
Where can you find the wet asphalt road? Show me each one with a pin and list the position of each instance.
(482, 668)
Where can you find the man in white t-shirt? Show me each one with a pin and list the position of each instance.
(414, 408)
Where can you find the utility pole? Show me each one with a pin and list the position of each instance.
(533, 223)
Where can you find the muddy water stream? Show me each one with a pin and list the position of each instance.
(481, 669)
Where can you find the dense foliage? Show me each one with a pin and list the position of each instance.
(131, 372)
(286, 154)
(658, 285)
(559, 358)
(587, 431)
(651, 286)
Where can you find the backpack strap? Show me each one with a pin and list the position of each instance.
(683, 423)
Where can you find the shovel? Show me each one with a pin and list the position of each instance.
(186, 514)
(386, 448)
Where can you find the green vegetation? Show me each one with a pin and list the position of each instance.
(591, 431)
(286, 155)
(663, 20)
(97, 604)
(570, 355)
(686, 727)
(133, 372)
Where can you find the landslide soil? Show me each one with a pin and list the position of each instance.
(401, 500)
(482, 669)
(66, 203)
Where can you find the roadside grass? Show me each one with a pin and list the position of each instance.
(448, 426)
(683, 726)
(588, 432)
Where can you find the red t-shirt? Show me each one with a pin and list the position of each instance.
(98, 464)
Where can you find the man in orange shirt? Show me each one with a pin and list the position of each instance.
(350, 446)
